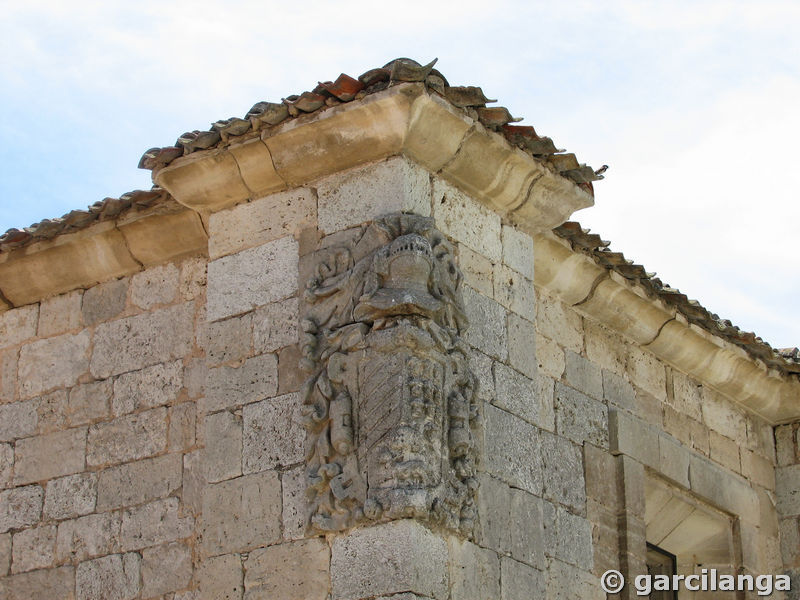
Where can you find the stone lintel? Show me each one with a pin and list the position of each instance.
(618, 304)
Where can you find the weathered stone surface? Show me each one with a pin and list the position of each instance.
(787, 490)
(60, 314)
(51, 409)
(8, 375)
(517, 394)
(558, 322)
(71, 496)
(785, 444)
(154, 523)
(514, 292)
(138, 482)
(127, 438)
(605, 348)
(242, 513)
(633, 437)
(114, 577)
(686, 396)
(647, 372)
(223, 449)
(193, 278)
(758, 469)
(790, 542)
(478, 270)
(260, 221)
(18, 324)
(92, 535)
(724, 451)
(221, 578)
(519, 581)
(522, 345)
(673, 461)
(399, 556)
(165, 569)
(487, 318)
(154, 386)
(227, 387)
(241, 282)
(193, 481)
(141, 341)
(566, 582)
(275, 325)
(618, 391)
(720, 415)
(229, 340)
(51, 455)
(105, 301)
(474, 571)
(45, 583)
(33, 549)
(182, 426)
(583, 375)
(568, 537)
(5, 554)
(20, 507)
(89, 402)
(356, 196)
(518, 251)
(292, 571)
(290, 375)
(463, 219)
(483, 368)
(293, 490)
(154, 286)
(53, 362)
(18, 420)
(273, 434)
(6, 465)
(580, 418)
(550, 357)
(727, 490)
(510, 447)
(563, 472)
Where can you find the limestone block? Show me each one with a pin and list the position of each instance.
(241, 282)
(465, 220)
(359, 195)
(51, 411)
(482, 367)
(104, 301)
(18, 325)
(221, 578)
(518, 395)
(400, 556)
(45, 583)
(647, 372)
(115, 576)
(720, 415)
(154, 523)
(260, 221)
(761, 438)
(601, 480)
(292, 571)
(241, 513)
(255, 166)
(275, 325)
(227, 387)
(474, 571)
(127, 438)
(580, 418)
(51, 455)
(514, 292)
(559, 322)
(155, 286)
(5, 554)
(787, 490)
(293, 490)
(8, 375)
(53, 362)
(88, 536)
(790, 542)
(686, 396)
(522, 345)
(193, 481)
(435, 131)
(60, 314)
(633, 437)
(511, 447)
(724, 489)
(138, 482)
(141, 341)
(724, 451)
(673, 461)
(518, 251)
(604, 347)
(89, 402)
(147, 388)
(70, 496)
(223, 446)
(784, 445)
(477, 269)
(758, 469)
(165, 569)
(583, 375)
(550, 357)
(618, 391)
(519, 581)
(563, 472)
(164, 236)
(565, 582)
(192, 279)
(20, 507)
(6, 465)
(273, 433)
(487, 318)
(18, 420)
(194, 377)
(182, 427)
(229, 340)
(290, 376)
(568, 537)
(33, 549)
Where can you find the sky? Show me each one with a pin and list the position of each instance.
(693, 105)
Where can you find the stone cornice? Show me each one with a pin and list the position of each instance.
(621, 305)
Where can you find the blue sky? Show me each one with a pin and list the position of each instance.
(692, 104)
